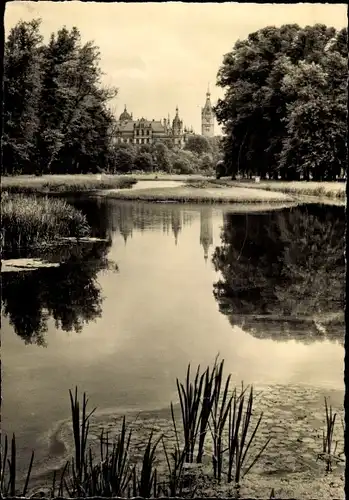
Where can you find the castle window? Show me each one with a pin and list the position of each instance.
(147, 132)
(142, 132)
(137, 141)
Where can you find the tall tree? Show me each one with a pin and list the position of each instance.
(22, 86)
(262, 110)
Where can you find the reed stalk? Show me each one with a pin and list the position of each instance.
(219, 414)
(8, 470)
(239, 425)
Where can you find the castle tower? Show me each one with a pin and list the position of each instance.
(206, 230)
(207, 117)
(177, 129)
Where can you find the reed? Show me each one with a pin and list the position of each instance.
(329, 446)
(147, 484)
(174, 485)
(8, 471)
(219, 413)
(28, 221)
(80, 431)
(239, 436)
(190, 400)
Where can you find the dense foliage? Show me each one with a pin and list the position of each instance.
(284, 111)
(199, 155)
(56, 118)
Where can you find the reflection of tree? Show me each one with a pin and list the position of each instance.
(283, 272)
(69, 293)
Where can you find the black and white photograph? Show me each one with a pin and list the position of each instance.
(173, 205)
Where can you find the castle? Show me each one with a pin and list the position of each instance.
(144, 131)
(207, 117)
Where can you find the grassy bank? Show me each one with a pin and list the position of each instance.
(47, 184)
(28, 221)
(215, 441)
(334, 190)
(196, 194)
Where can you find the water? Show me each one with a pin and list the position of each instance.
(172, 284)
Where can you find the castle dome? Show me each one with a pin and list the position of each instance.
(125, 115)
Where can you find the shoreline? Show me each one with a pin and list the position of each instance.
(197, 188)
(292, 413)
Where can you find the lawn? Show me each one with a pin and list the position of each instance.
(214, 194)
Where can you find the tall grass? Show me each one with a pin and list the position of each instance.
(28, 221)
(63, 183)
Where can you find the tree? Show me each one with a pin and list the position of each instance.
(161, 157)
(22, 87)
(262, 110)
(55, 112)
(207, 163)
(198, 144)
(124, 159)
(144, 162)
(72, 99)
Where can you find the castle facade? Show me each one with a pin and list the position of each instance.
(143, 131)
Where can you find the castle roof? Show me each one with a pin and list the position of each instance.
(125, 115)
(129, 126)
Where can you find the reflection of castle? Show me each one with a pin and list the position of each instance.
(128, 217)
(206, 230)
(144, 131)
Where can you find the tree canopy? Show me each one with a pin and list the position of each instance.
(56, 118)
(284, 108)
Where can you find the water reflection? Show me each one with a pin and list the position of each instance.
(108, 217)
(282, 273)
(70, 294)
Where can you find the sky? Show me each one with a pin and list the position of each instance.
(163, 55)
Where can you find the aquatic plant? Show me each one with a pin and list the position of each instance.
(147, 483)
(8, 471)
(219, 413)
(28, 221)
(174, 484)
(329, 447)
(190, 401)
(239, 440)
